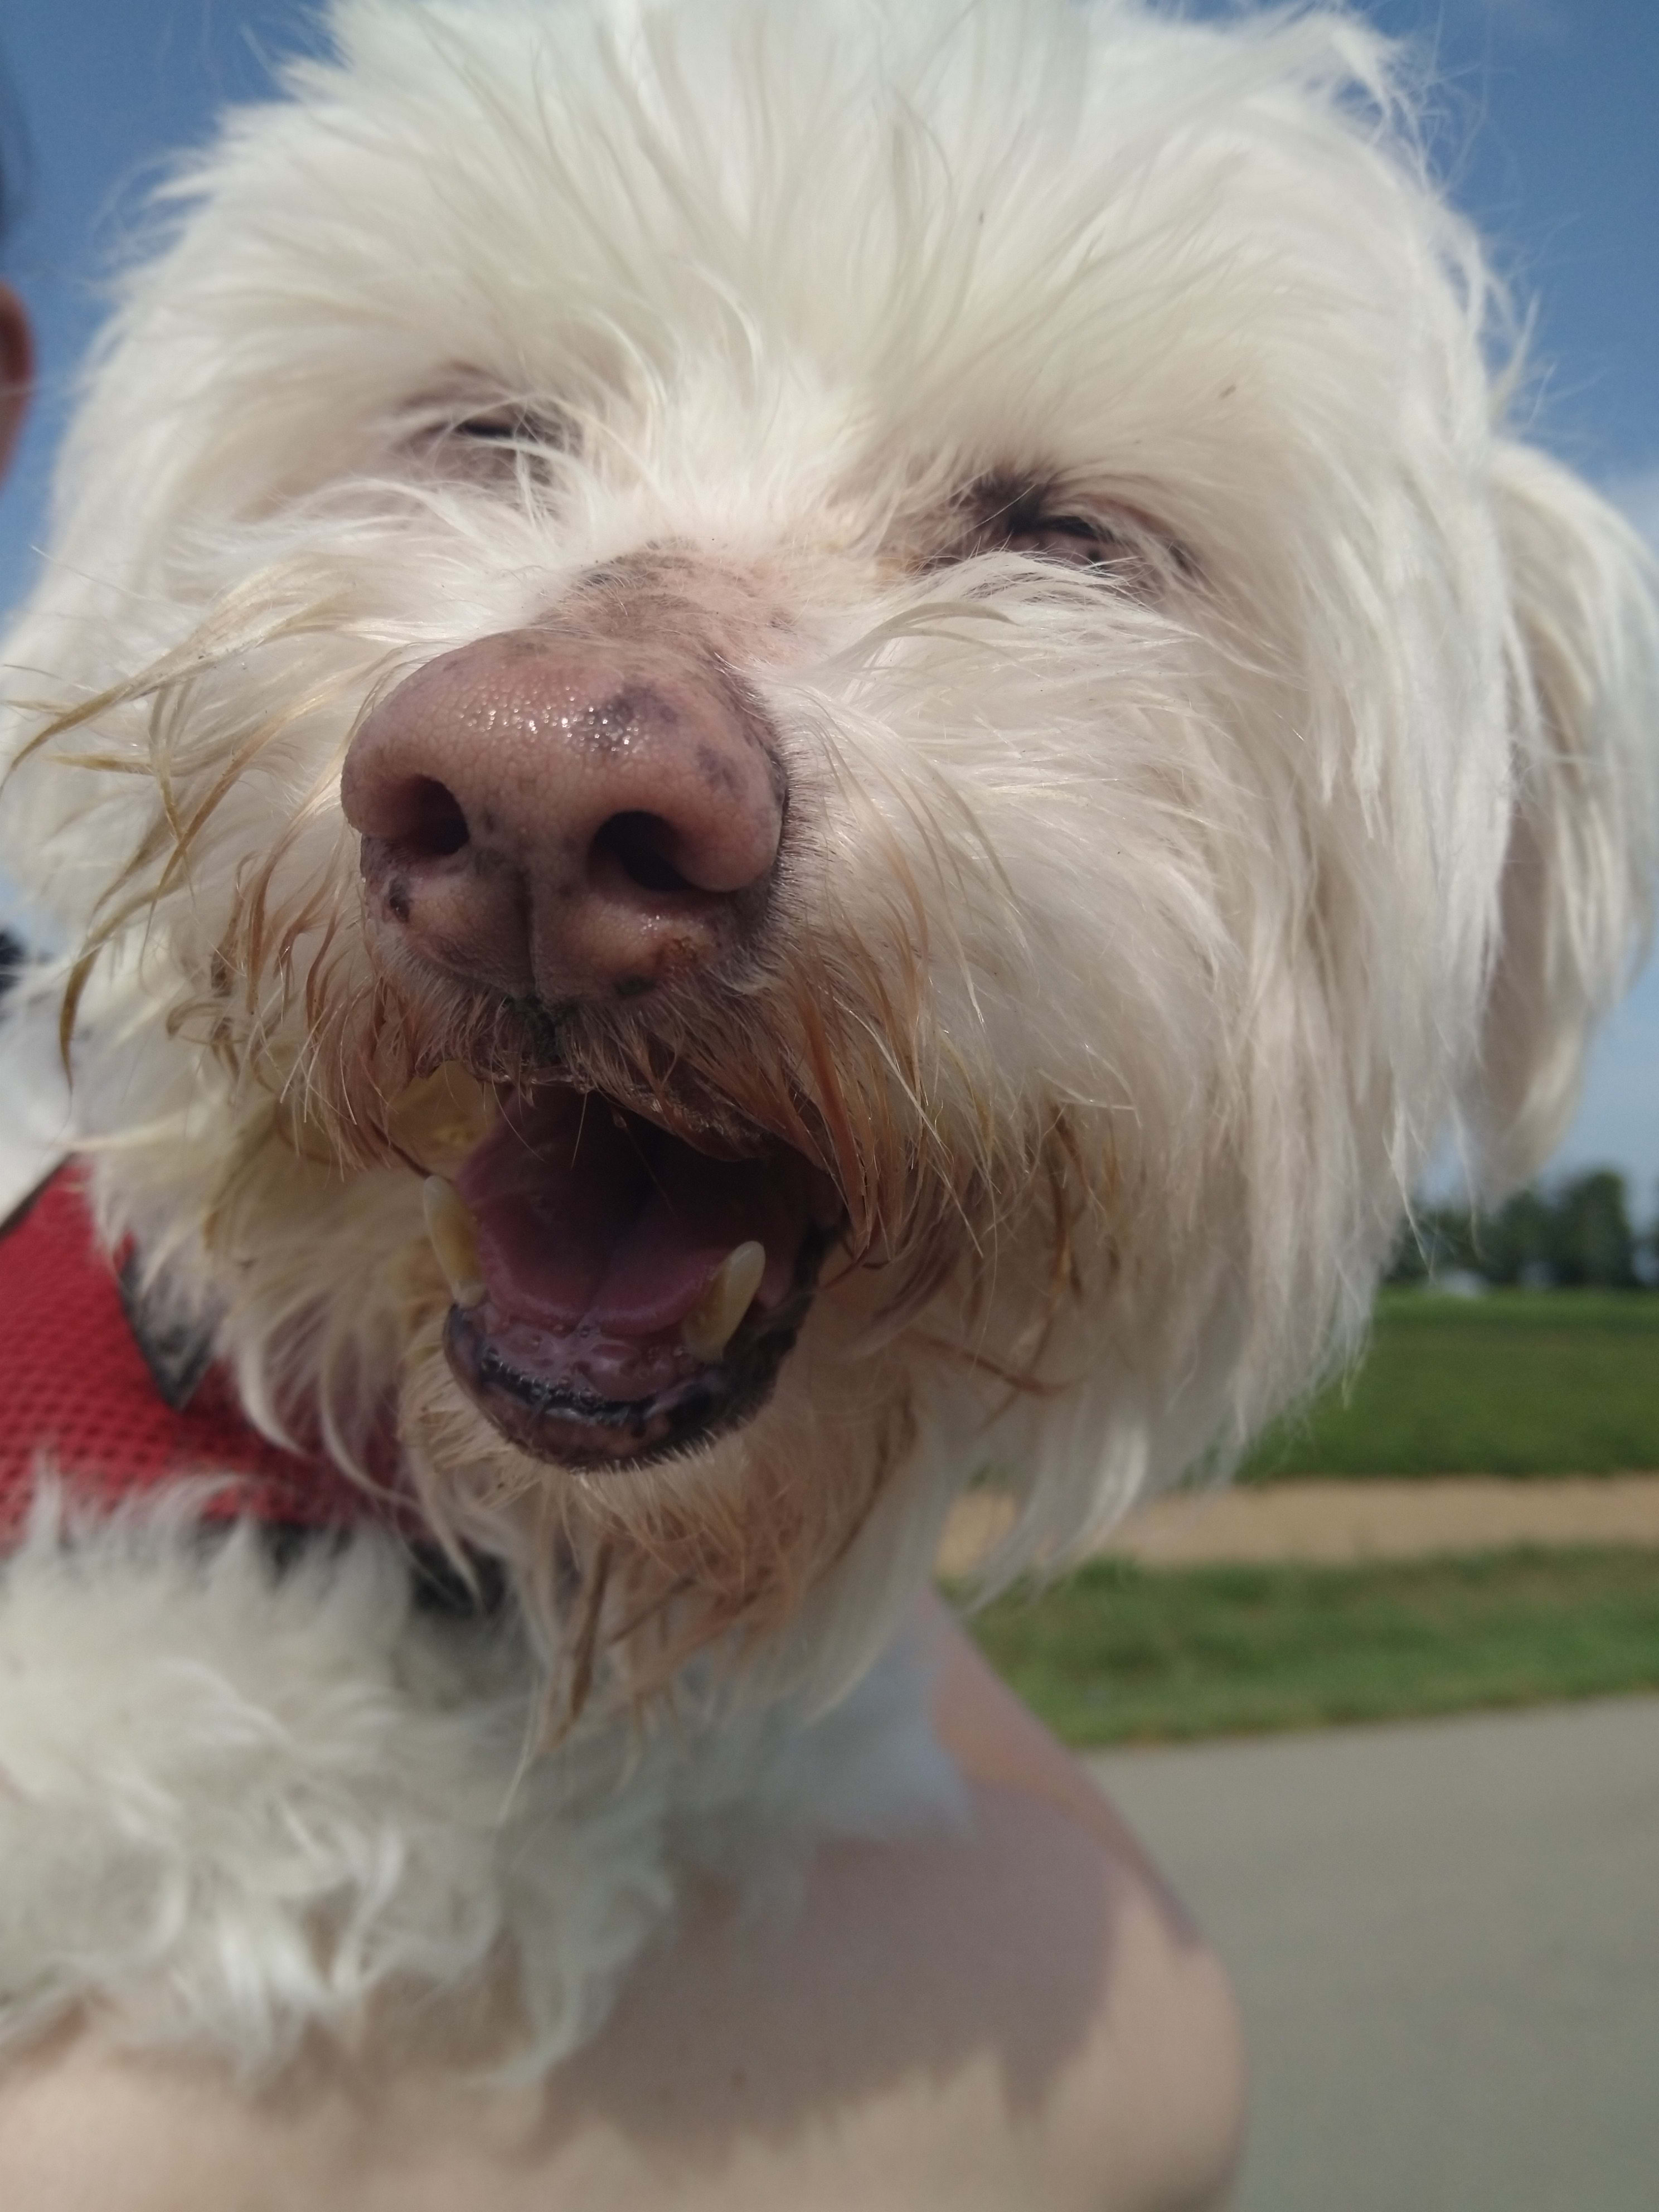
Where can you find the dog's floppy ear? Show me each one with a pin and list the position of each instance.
(1576, 899)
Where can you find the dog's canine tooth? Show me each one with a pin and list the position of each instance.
(454, 1239)
(712, 1321)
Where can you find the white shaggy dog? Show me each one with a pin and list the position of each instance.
(789, 752)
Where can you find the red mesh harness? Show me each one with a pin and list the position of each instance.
(80, 1396)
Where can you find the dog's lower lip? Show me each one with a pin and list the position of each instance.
(566, 1425)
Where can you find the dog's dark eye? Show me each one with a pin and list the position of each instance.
(490, 441)
(509, 426)
(1008, 513)
(1072, 538)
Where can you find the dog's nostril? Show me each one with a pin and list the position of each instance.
(639, 844)
(435, 826)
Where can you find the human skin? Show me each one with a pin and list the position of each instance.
(1019, 2018)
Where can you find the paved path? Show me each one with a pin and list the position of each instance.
(1445, 1936)
(1369, 1519)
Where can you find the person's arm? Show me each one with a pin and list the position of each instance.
(993, 1737)
(1161, 2088)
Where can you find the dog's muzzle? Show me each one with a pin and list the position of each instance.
(563, 822)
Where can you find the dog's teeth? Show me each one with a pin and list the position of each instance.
(454, 1240)
(712, 1321)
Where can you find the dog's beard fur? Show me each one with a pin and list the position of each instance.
(1133, 942)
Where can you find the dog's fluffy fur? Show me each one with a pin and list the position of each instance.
(1139, 930)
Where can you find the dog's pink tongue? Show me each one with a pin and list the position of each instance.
(588, 1216)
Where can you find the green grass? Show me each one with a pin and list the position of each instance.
(1517, 1384)
(1119, 1654)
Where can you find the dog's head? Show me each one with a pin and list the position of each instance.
(865, 699)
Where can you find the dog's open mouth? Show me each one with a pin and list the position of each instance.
(620, 1294)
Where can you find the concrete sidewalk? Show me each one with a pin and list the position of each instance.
(1445, 1936)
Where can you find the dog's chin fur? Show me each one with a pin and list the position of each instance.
(1138, 931)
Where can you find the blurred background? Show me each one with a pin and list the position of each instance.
(1385, 1711)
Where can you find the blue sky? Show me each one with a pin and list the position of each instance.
(1546, 125)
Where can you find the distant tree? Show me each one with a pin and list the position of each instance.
(1647, 1256)
(1578, 1235)
(1594, 1242)
(1437, 1240)
(1409, 1264)
(1518, 1244)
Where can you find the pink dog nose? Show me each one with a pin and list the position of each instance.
(556, 817)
